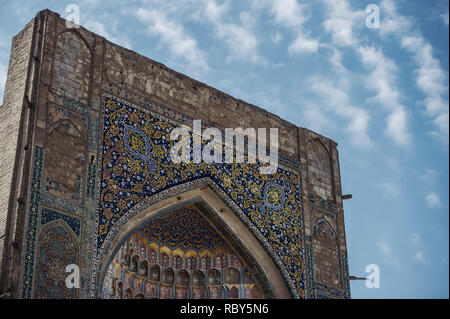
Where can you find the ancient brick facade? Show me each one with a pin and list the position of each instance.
(80, 113)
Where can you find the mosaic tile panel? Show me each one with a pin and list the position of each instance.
(137, 164)
(116, 90)
(92, 172)
(56, 249)
(48, 216)
(184, 228)
(32, 222)
(86, 210)
(310, 270)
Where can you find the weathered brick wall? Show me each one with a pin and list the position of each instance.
(324, 215)
(80, 65)
(11, 116)
(71, 67)
(147, 78)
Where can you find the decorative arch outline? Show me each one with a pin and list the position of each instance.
(73, 237)
(91, 54)
(335, 236)
(320, 143)
(246, 238)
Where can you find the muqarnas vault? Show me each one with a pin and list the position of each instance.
(87, 180)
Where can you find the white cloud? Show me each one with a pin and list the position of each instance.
(268, 98)
(384, 247)
(341, 22)
(392, 22)
(248, 19)
(336, 100)
(303, 45)
(433, 200)
(444, 17)
(240, 40)
(316, 119)
(89, 3)
(214, 11)
(290, 14)
(388, 253)
(23, 13)
(341, 31)
(382, 80)
(276, 38)
(180, 44)
(98, 27)
(430, 76)
(431, 79)
(419, 257)
(441, 123)
(390, 189)
(336, 60)
(397, 126)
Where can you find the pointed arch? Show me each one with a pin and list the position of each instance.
(320, 168)
(320, 143)
(79, 35)
(73, 55)
(325, 244)
(223, 218)
(58, 246)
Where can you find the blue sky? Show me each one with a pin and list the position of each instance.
(381, 93)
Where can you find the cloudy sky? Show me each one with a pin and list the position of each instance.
(381, 93)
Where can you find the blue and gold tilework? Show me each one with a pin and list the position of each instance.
(136, 164)
(183, 228)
